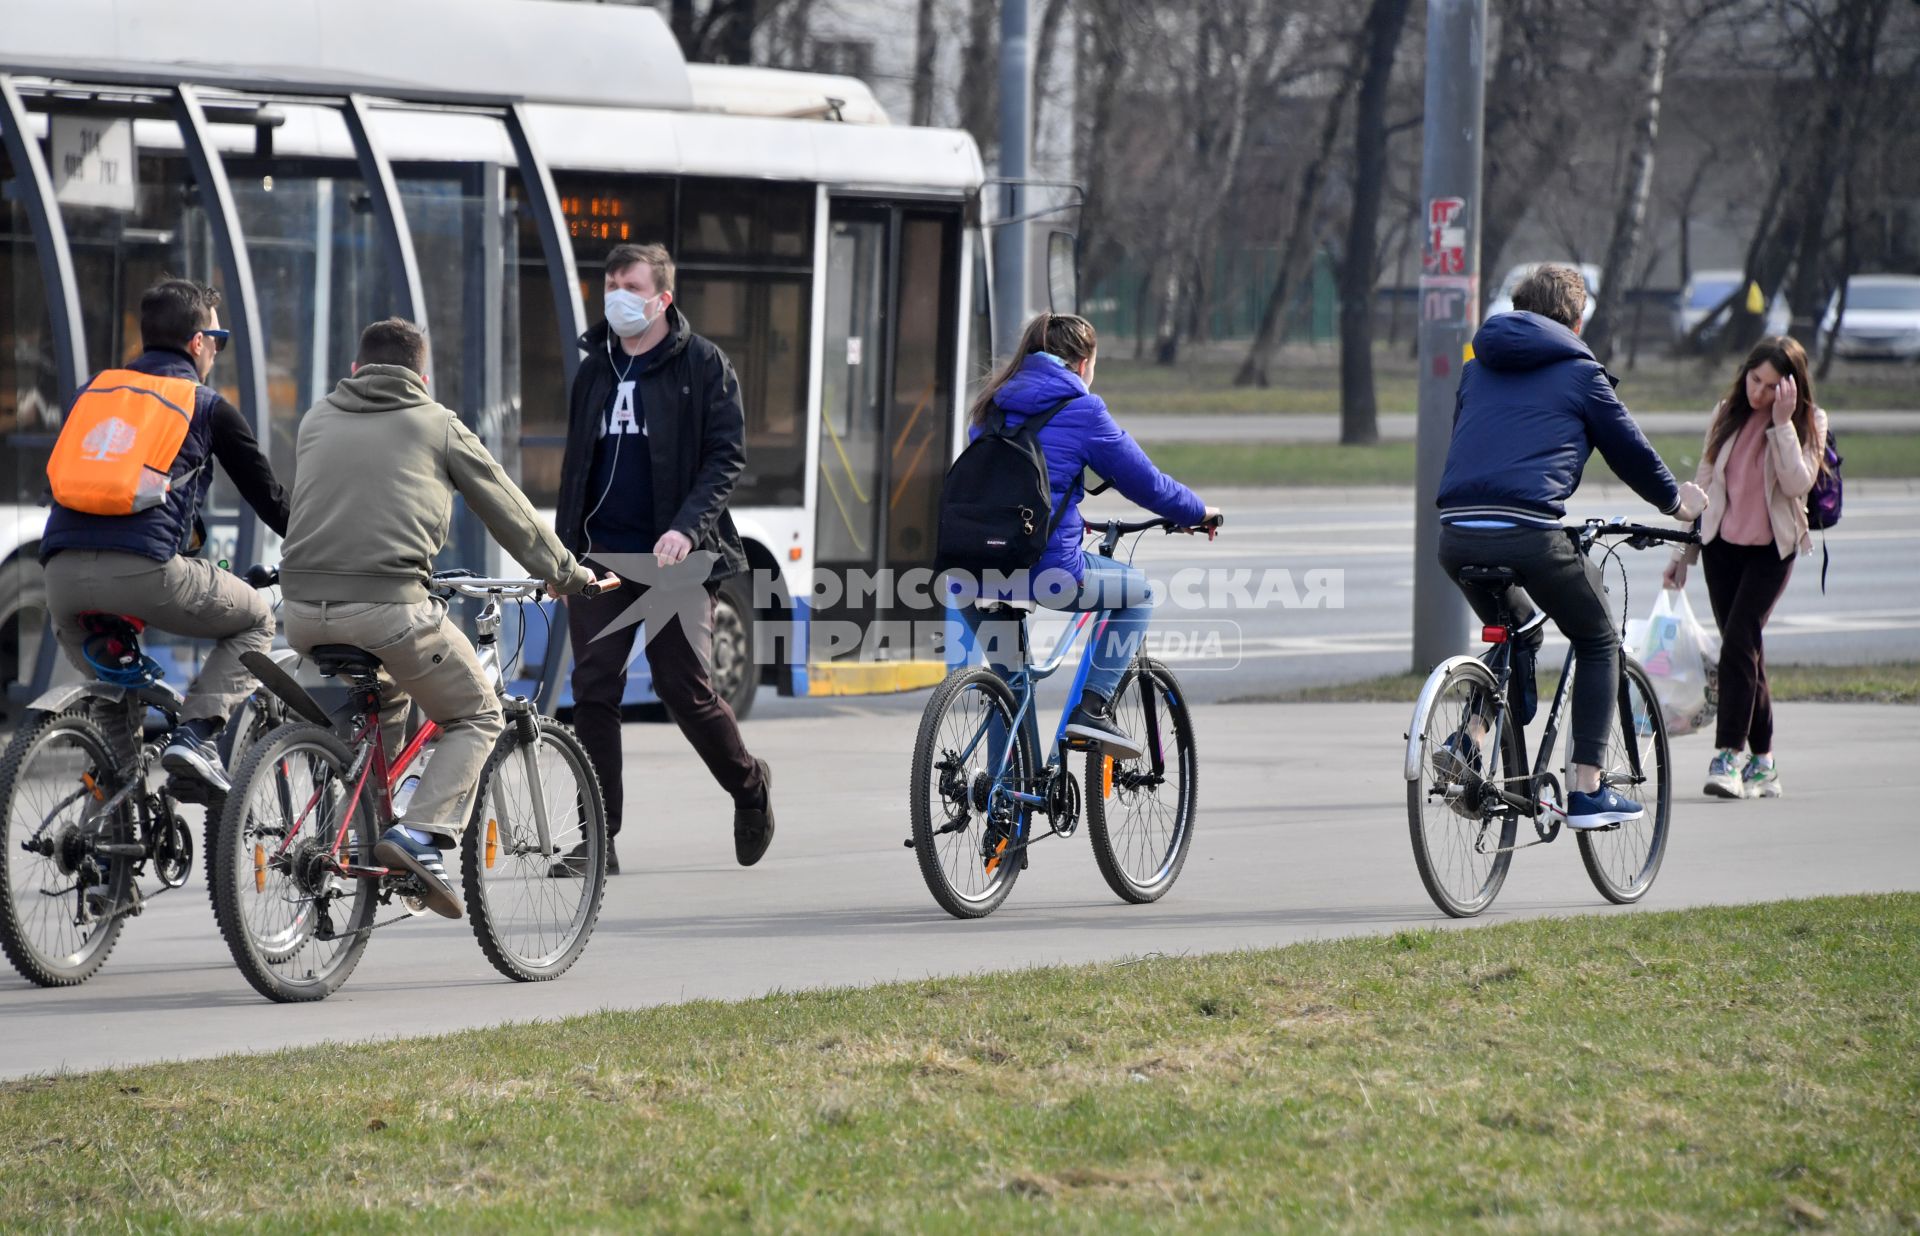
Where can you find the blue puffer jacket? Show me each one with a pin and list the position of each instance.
(1084, 435)
(1532, 405)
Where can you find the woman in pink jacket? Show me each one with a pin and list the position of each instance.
(1764, 448)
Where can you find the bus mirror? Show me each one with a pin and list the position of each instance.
(1063, 273)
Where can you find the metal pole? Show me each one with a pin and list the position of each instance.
(1010, 241)
(1449, 296)
(236, 269)
(389, 214)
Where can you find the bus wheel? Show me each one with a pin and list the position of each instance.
(735, 675)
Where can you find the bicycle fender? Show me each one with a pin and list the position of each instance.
(1411, 770)
(276, 678)
(61, 698)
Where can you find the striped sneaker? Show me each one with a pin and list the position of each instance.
(399, 851)
(1723, 776)
(1760, 780)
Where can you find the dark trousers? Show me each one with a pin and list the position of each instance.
(1744, 583)
(1564, 583)
(681, 680)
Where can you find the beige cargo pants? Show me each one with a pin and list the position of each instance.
(430, 659)
(183, 596)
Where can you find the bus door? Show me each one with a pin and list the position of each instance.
(886, 425)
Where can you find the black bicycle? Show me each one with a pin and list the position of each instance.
(1469, 782)
(84, 813)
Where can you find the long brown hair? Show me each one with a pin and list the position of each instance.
(1788, 359)
(1066, 335)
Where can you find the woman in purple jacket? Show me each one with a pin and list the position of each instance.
(1055, 362)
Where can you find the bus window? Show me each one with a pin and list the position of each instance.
(760, 321)
(746, 221)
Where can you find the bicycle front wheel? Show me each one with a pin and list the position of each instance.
(1462, 846)
(295, 926)
(1140, 812)
(964, 834)
(55, 776)
(533, 909)
(1622, 860)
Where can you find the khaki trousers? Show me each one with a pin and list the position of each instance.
(424, 656)
(182, 596)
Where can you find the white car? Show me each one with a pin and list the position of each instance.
(1503, 299)
(1882, 319)
(1704, 292)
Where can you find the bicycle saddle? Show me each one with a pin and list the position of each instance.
(1005, 609)
(1491, 577)
(334, 660)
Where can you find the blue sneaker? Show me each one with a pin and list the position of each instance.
(399, 850)
(1601, 809)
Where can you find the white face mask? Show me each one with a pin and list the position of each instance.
(627, 313)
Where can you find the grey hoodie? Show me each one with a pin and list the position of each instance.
(375, 469)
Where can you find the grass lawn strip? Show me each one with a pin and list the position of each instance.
(1892, 455)
(1708, 1070)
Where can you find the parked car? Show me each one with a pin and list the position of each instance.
(1704, 292)
(1503, 299)
(1882, 318)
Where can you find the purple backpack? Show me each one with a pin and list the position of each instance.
(1823, 500)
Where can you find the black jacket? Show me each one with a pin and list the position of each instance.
(1532, 405)
(217, 431)
(695, 429)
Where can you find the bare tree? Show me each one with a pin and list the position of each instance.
(1360, 261)
(979, 72)
(1630, 211)
(926, 54)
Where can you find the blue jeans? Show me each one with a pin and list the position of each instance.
(1104, 585)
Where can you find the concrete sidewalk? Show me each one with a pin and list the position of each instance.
(1399, 426)
(1301, 834)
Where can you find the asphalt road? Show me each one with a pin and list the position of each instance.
(1301, 834)
(1302, 831)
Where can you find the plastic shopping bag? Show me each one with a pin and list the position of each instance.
(1683, 659)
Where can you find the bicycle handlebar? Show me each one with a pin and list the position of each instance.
(1638, 536)
(1117, 527)
(466, 583)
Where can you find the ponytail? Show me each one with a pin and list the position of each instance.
(1065, 335)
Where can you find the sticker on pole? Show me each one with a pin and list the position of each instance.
(1448, 291)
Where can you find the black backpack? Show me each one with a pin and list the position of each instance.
(995, 505)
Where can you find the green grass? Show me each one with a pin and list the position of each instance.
(1893, 455)
(1711, 1070)
(1308, 380)
(1894, 683)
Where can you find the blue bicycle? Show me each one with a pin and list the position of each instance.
(982, 794)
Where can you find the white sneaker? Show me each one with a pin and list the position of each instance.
(1723, 776)
(1760, 780)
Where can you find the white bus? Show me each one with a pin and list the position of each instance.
(835, 257)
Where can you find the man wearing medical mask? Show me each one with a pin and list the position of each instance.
(655, 440)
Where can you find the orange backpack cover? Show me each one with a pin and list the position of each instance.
(116, 452)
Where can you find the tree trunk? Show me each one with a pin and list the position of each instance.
(1256, 369)
(1630, 213)
(926, 53)
(1359, 269)
(1101, 63)
(979, 74)
(1043, 49)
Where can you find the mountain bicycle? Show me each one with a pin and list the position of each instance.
(1464, 807)
(295, 888)
(980, 790)
(85, 813)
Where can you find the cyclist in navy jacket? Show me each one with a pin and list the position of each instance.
(1533, 404)
(1056, 362)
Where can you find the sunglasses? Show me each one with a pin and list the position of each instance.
(219, 338)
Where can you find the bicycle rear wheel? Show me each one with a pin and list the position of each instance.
(1622, 860)
(55, 775)
(1140, 812)
(296, 928)
(1461, 847)
(532, 913)
(963, 838)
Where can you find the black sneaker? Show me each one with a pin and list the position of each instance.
(753, 826)
(398, 850)
(573, 864)
(190, 755)
(1092, 724)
